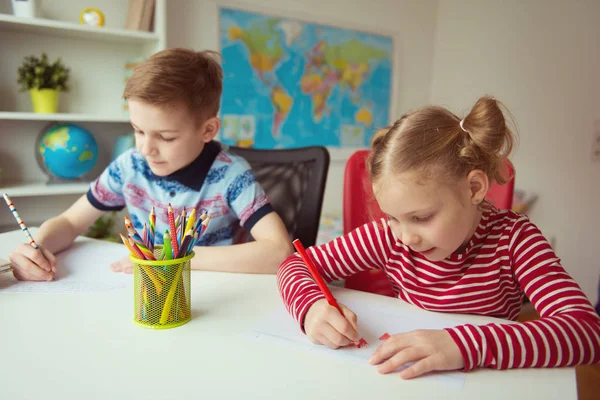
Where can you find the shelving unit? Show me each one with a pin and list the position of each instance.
(96, 57)
(62, 117)
(36, 189)
(61, 29)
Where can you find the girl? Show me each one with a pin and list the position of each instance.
(445, 248)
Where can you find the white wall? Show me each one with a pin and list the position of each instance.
(412, 22)
(541, 58)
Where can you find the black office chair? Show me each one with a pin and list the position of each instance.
(294, 181)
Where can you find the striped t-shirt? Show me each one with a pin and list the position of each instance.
(506, 258)
(218, 181)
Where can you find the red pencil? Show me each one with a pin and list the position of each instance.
(315, 274)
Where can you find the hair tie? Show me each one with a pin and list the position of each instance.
(462, 127)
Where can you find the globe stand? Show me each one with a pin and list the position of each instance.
(55, 180)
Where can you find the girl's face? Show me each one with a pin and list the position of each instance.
(431, 218)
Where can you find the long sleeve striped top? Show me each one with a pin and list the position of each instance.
(506, 258)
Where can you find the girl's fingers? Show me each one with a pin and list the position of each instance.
(333, 336)
(350, 316)
(322, 339)
(388, 348)
(343, 326)
(421, 367)
(400, 359)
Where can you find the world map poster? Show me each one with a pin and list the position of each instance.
(289, 83)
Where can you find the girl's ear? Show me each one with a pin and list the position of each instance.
(210, 128)
(479, 184)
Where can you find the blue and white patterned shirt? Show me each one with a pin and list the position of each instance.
(218, 181)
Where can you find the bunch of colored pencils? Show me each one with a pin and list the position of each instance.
(178, 241)
(161, 299)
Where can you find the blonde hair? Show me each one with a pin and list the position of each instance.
(431, 141)
(179, 75)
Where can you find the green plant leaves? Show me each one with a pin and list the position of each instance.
(38, 73)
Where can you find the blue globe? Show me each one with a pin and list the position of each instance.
(68, 151)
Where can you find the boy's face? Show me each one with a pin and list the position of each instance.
(170, 138)
(431, 218)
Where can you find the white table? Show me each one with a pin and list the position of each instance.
(85, 345)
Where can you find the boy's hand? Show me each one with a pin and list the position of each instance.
(123, 265)
(30, 264)
(325, 325)
(430, 350)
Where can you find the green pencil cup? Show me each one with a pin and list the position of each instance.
(161, 291)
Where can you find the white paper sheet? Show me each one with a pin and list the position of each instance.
(83, 267)
(280, 328)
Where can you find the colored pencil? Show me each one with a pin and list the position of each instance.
(170, 216)
(317, 277)
(15, 213)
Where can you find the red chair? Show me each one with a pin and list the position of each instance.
(501, 196)
(361, 207)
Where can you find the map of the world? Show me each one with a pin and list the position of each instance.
(289, 83)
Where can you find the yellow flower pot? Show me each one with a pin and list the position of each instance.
(44, 100)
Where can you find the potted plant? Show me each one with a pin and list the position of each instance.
(44, 81)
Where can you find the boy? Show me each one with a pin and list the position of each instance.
(173, 100)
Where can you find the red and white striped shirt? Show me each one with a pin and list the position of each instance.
(507, 258)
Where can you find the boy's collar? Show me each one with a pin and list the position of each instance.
(193, 175)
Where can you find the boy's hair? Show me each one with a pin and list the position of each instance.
(179, 75)
(431, 140)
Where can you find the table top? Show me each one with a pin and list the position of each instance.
(85, 345)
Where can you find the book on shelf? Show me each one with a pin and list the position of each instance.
(140, 15)
(148, 17)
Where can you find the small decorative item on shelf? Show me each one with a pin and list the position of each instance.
(25, 8)
(91, 17)
(104, 228)
(522, 201)
(128, 71)
(66, 152)
(122, 144)
(44, 81)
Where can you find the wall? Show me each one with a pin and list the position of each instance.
(411, 22)
(541, 58)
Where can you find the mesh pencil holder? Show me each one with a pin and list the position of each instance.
(161, 291)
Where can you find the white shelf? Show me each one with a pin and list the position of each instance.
(29, 189)
(29, 116)
(10, 23)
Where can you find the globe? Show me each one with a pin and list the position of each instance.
(66, 151)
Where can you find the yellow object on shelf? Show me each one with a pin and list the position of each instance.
(91, 17)
(44, 101)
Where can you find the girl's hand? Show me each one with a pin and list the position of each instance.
(325, 325)
(30, 264)
(124, 265)
(430, 350)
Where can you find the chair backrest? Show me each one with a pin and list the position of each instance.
(294, 181)
(359, 204)
(501, 196)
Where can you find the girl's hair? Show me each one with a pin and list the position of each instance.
(431, 141)
(179, 75)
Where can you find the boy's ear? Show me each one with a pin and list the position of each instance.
(210, 128)
(479, 183)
